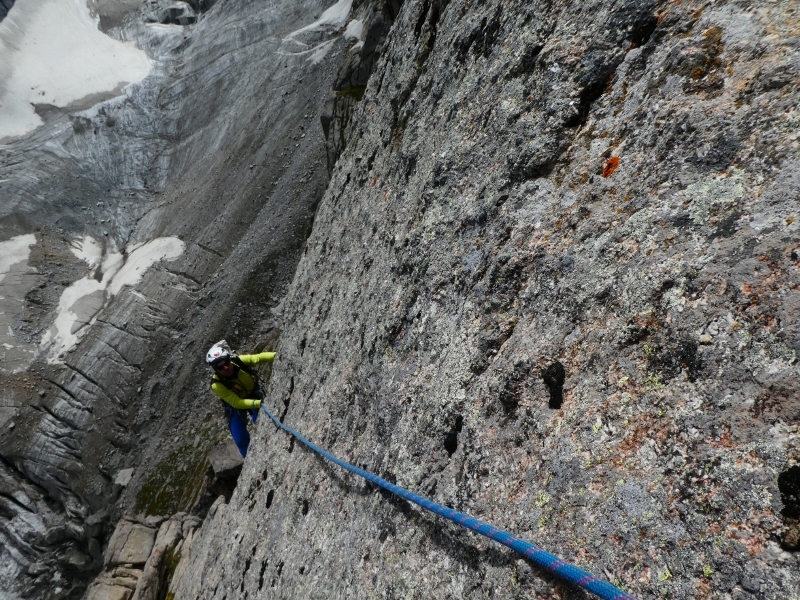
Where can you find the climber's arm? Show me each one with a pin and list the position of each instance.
(257, 359)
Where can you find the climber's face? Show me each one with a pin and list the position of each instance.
(224, 367)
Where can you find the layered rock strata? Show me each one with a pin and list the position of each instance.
(219, 151)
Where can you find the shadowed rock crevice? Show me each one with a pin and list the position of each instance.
(554, 376)
(451, 440)
(789, 486)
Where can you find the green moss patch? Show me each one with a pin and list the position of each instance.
(176, 483)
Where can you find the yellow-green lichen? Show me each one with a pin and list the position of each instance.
(713, 194)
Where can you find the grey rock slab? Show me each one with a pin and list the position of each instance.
(149, 585)
(130, 543)
(105, 591)
(522, 183)
(225, 460)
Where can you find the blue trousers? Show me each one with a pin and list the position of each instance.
(237, 422)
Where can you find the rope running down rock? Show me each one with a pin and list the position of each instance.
(533, 553)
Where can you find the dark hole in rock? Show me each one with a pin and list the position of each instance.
(421, 19)
(302, 570)
(291, 445)
(554, 377)
(451, 440)
(246, 568)
(264, 566)
(789, 486)
(270, 496)
(305, 507)
(642, 31)
(280, 567)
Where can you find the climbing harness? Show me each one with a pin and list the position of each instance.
(533, 553)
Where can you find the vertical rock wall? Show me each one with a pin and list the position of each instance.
(553, 284)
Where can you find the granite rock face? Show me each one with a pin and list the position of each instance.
(553, 284)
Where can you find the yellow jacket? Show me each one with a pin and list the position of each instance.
(238, 395)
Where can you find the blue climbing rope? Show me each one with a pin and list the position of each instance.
(530, 551)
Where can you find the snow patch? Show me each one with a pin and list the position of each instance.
(88, 250)
(354, 30)
(318, 53)
(15, 251)
(334, 18)
(54, 54)
(82, 301)
(141, 258)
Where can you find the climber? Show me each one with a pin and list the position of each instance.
(238, 385)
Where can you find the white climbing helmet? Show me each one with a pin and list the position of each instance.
(218, 351)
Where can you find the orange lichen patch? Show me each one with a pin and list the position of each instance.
(634, 440)
(724, 441)
(610, 166)
(713, 35)
(753, 543)
(597, 488)
(704, 590)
